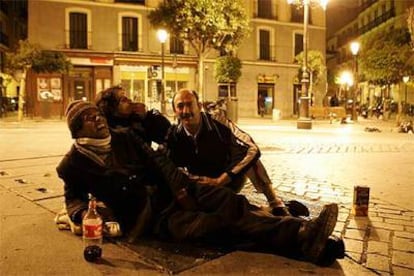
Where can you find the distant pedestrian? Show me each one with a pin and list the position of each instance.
(334, 101)
(261, 105)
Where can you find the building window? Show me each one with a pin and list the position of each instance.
(176, 45)
(264, 40)
(129, 31)
(129, 34)
(298, 44)
(264, 9)
(78, 30)
(297, 14)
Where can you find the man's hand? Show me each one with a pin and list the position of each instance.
(222, 180)
(139, 108)
(186, 201)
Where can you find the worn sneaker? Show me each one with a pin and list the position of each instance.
(315, 232)
(64, 222)
(281, 211)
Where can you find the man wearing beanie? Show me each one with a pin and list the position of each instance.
(149, 195)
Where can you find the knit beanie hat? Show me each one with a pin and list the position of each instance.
(73, 112)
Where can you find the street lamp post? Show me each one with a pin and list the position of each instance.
(405, 80)
(355, 49)
(304, 121)
(162, 37)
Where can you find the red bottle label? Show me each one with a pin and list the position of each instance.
(92, 231)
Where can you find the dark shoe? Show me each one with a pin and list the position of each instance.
(297, 208)
(334, 249)
(280, 211)
(314, 233)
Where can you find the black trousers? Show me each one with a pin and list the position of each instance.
(221, 215)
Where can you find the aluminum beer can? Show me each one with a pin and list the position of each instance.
(361, 201)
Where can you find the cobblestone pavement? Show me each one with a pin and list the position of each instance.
(338, 148)
(383, 241)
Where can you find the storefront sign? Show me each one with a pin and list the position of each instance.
(266, 78)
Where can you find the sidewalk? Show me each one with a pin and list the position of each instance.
(31, 193)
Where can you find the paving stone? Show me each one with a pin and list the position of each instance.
(403, 244)
(402, 270)
(399, 216)
(311, 189)
(354, 256)
(409, 229)
(399, 221)
(379, 235)
(339, 226)
(312, 196)
(284, 188)
(388, 226)
(345, 200)
(358, 223)
(388, 209)
(329, 198)
(403, 259)
(355, 234)
(409, 213)
(376, 218)
(404, 235)
(342, 216)
(378, 262)
(376, 247)
(351, 245)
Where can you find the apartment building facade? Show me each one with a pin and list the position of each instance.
(111, 42)
(367, 16)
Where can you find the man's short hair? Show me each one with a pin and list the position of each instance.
(193, 92)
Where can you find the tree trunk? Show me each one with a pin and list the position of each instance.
(200, 82)
(22, 96)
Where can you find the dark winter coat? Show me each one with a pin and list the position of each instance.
(123, 187)
(216, 149)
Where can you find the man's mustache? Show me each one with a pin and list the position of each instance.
(186, 115)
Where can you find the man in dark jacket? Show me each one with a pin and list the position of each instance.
(122, 171)
(217, 152)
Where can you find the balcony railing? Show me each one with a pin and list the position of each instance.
(366, 5)
(266, 52)
(377, 21)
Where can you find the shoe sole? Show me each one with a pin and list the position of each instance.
(331, 211)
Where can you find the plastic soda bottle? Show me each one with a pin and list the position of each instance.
(92, 232)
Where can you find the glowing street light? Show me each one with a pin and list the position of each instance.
(304, 121)
(354, 46)
(346, 78)
(162, 36)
